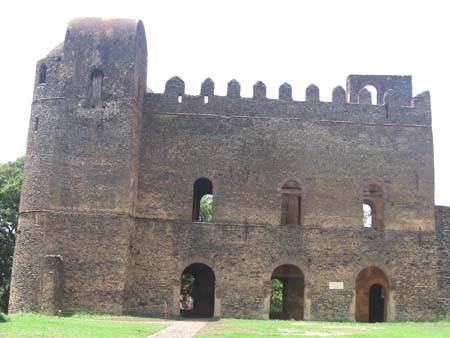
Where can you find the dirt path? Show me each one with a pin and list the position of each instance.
(179, 329)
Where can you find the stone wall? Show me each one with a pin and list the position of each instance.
(243, 258)
(249, 147)
(443, 235)
(82, 159)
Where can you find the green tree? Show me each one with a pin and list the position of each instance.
(206, 207)
(276, 296)
(11, 175)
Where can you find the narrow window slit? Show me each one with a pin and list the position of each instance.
(42, 73)
(96, 88)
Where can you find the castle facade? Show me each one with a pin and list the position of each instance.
(335, 200)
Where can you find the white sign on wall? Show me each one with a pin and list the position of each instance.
(336, 285)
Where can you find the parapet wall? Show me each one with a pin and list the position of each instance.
(397, 106)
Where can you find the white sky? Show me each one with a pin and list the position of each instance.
(300, 42)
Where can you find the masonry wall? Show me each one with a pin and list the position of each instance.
(243, 258)
(443, 235)
(249, 147)
(81, 169)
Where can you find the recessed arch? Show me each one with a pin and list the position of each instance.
(291, 202)
(288, 292)
(197, 291)
(372, 290)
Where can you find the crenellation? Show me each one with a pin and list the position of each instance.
(234, 89)
(392, 98)
(259, 90)
(422, 100)
(336, 110)
(174, 87)
(312, 93)
(285, 92)
(342, 112)
(364, 96)
(339, 95)
(207, 88)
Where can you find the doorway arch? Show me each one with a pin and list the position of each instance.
(197, 291)
(290, 286)
(372, 295)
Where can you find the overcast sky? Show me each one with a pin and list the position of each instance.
(299, 42)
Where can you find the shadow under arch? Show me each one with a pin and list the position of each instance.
(293, 274)
(204, 294)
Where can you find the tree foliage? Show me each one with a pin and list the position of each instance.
(206, 207)
(276, 296)
(11, 175)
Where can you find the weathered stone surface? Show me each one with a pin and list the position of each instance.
(259, 90)
(107, 202)
(285, 92)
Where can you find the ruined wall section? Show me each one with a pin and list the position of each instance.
(81, 169)
(443, 235)
(248, 147)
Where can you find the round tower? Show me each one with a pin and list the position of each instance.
(81, 169)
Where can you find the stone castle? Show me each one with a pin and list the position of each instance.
(110, 207)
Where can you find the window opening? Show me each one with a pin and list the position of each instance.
(202, 209)
(42, 73)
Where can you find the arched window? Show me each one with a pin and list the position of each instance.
(291, 201)
(42, 73)
(373, 206)
(96, 87)
(202, 201)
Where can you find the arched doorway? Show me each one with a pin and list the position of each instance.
(197, 291)
(287, 293)
(372, 291)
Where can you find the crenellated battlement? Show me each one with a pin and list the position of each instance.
(397, 106)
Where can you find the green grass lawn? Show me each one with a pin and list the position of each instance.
(90, 325)
(83, 325)
(239, 328)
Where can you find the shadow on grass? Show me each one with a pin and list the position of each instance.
(3, 318)
(135, 315)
